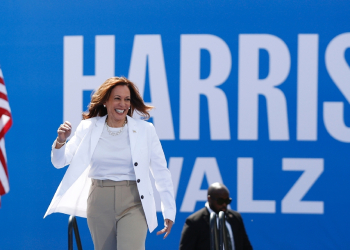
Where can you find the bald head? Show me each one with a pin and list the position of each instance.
(217, 188)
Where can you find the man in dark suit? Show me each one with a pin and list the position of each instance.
(196, 231)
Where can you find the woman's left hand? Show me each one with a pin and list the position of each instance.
(167, 228)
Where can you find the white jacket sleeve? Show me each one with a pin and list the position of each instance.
(63, 156)
(162, 177)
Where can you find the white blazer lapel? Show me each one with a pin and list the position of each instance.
(96, 133)
(132, 133)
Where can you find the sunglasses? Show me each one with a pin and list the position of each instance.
(221, 201)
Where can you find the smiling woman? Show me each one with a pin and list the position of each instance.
(117, 153)
(104, 94)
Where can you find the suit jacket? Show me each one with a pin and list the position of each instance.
(146, 153)
(196, 231)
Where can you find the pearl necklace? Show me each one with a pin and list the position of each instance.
(112, 133)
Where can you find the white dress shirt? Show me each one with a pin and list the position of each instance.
(228, 226)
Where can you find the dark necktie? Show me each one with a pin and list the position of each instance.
(228, 239)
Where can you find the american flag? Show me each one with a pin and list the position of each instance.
(5, 124)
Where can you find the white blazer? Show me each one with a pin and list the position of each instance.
(146, 153)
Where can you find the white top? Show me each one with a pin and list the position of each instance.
(73, 191)
(228, 226)
(111, 159)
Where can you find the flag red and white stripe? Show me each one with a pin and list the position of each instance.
(5, 124)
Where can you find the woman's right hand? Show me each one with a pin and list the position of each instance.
(64, 132)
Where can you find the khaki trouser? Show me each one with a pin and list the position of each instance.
(115, 215)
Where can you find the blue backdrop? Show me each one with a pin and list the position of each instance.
(252, 93)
